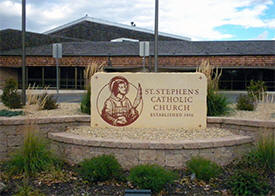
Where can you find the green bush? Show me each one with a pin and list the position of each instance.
(264, 153)
(101, 168)
(245, 182)
(33, 156)
(245, 102)
(8, 113)
(217, 104)
(256, 89)
(47, 102)
(203, 169)
(10, 97)
(261, 158)
(151, 177)
(86, 102)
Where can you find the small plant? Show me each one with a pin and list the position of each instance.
(264, 153)
(33, 156)
(54, 175)
(10, 97)
(101, 168)
(8, 113)
(203, 169)
(256, 89)
(151, 177)
(261, 158)
(244, 182)
(90, 70)
(86, 103)
(245, 102)
(27, 190)
(47, 102)
(212, 76)
(32, 98)
(217, 104)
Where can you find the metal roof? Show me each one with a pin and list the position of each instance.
(105, 22)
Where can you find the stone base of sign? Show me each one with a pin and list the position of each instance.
(130, 153)
(11, 130)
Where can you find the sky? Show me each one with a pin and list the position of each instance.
(200, 20)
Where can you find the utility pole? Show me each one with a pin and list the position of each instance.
(156, 35)
(23, 52)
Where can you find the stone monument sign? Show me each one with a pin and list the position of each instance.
(148, 100)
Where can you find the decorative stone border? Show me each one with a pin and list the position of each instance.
(12, 129)
(11, 136)
(75, 148)
(254, 128)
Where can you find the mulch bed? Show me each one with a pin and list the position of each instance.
(72, 184)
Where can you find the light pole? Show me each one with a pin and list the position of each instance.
(23, 52)
(156, 35)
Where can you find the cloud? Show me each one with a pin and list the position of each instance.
(262, 36)
(197, 19)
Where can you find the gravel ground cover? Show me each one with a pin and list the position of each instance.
(150, 134)
(264, 111)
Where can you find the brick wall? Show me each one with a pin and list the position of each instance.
(165, 61)
(7, 73)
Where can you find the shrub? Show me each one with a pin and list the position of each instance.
(245, 102)
(33, 156)
(212, 76)
(32, 97)
(89, 71)
(261, 158)
(8, 113)
(100, 168)
(217, 104)
(264, 153)
(47, 102)
(86, 103)
(244, 182)
(203, 169)
(10, 97)
(256, 89)
(151, 177)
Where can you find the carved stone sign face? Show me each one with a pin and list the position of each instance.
(148, 100)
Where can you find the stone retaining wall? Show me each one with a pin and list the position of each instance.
(130, 153)
(254, 128)
(11, 129)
